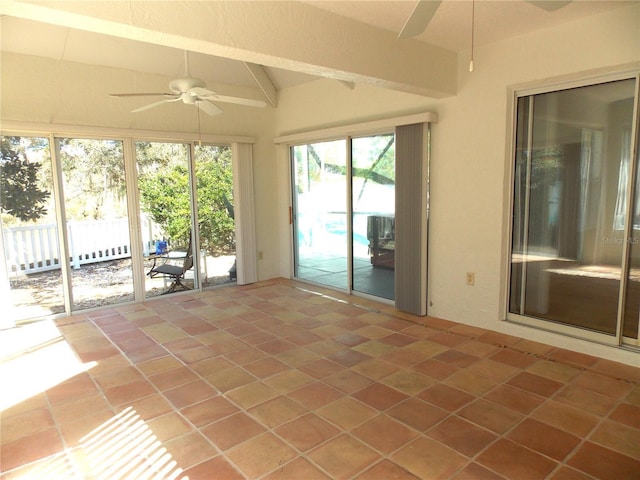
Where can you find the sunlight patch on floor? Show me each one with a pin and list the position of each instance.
(34, 358)
(123, 448)
(126, 448)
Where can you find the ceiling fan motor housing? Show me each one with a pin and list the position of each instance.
(182, 85)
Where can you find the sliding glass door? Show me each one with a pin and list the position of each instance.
(95, 204)
(70, 240)
(216, 218)
(165, 215)
(373, 212)
(31, 253)
(320, 213)
(343, 209)
(575, 219)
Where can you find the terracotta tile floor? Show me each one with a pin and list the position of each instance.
(279, 380)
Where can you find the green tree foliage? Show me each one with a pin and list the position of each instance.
(214, 186)
(21, 193)
(164, 195)
(94, 181)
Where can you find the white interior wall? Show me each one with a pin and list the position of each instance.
(470, 164)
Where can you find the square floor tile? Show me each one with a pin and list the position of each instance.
(251, 394)
(315, 395)
(462, 436)
(343, 457)
(386, 470)
(514, 461)
(384, 434)
(231, 431)
(417, 413)
(379, 396)
(426, 458)
(307, 431)
(602, 462)
(299, 468)
(515, 399)
(618, 437)
(190, 393)
(446, 397)
(189, 450)
(490, 416)
(347, 412)
(30, 448)
(260, 455)
(560, 415)
(544, 439)
(222, 468)
(209, 410)
(535, 384)
(276, 411)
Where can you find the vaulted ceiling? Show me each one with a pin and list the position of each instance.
(28, 30)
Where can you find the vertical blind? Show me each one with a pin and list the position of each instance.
(411, 218)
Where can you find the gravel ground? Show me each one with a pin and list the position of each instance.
(97, 284)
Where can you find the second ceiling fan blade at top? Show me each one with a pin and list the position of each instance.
(419, 19)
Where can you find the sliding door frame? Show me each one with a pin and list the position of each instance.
(515, 93)
(347, 132)
(53, 133)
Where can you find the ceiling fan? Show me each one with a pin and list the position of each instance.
(192, 91)
(425, 10)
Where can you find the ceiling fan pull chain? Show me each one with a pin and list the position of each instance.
(473, 18)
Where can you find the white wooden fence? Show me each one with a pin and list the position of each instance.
(35, 248)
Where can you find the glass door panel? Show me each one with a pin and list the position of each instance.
(97, 221)
(165, 215)
(214, 184)
(569, 212)
(29, 230)
(320, 219)
(373, 210)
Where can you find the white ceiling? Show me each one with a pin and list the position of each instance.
(449, 29)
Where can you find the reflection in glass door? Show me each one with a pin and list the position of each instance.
(29, 230)
(631, 315)
(320, 213)
(95, 205)
(373, 210)
(572, 227)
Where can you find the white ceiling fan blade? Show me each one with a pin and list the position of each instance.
(208, 107)
(141, 94)
(155, 104)
(237, 100)
(549, 5)
(209, 95)
(202, 92)
(419, 18)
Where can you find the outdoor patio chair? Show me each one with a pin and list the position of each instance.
(174, 267)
